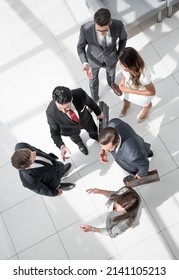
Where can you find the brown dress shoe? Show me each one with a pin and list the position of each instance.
(116, 89)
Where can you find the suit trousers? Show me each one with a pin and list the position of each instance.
(94, 82)
(91, 129)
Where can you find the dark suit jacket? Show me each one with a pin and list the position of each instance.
(61, 124)
(42, 180)
(94, 51)
(133, 153)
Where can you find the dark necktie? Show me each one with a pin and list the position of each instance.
(104, 43)
(73, 116)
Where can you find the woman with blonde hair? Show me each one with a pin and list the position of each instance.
(123, 208)
(136, 83)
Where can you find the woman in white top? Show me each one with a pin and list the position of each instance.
(135, 83)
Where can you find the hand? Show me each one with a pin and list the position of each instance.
(103, 156)
(65, 151)
(88, 71)
(125, 89)
(95, 190)
(59, 192)
(86, 228)
(101, 116)
(137, 176)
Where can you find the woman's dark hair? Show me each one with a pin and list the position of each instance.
(102, 17)
(108, 135)
(62, 95)
(21, 159)
(130, 201)
(131, 59)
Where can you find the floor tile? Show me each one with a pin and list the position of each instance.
(11, 187)
(36, 46)
(168, 48)
(50, 248)
(23, 101)
(6, 247)
(24, 17)
(10, 63)
(167, 133)
(155, 30)
(50, 74)
(66, 27)
(154, 248)
(171, 236)
(7, 144)
(166, 109)
(29, 226)
(74, 203)
(49, 9)
(156, 66)
(162, 160)
(162, 199)
(87, 246)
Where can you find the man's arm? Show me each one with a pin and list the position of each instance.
(37, 186)
(122, 40)
(81, 46)
(55, 131)
(142, 165)
(92, 105)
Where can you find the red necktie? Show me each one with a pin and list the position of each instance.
(73, 116)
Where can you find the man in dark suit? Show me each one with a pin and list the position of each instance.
(40, 172)
(105, 39)
(128, 149)
(67, 114)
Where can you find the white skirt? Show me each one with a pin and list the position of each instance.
(141, 100)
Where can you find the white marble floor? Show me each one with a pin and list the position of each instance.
(38, 52)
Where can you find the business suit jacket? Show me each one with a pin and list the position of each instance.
(133, 153)
(95, 52)
(61, 124)
(42, 180)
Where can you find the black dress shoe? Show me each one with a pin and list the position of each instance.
(67, 186)
(83, 148)
(150, 154)
(66, 168)
(116, 89)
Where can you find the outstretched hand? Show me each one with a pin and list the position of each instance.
(103, 156)
(88, 71)
(93, 190)
(65, 151)
(86, 228)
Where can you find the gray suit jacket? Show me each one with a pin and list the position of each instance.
(133, 153)
(94, 50)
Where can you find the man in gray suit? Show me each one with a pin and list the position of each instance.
(128, 149)
(105, 39)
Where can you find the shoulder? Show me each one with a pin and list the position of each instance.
(51, 107)
(87, 26)
(117, 22)
(78, 92)
(146, 76)
(22, 145)
(116, 122)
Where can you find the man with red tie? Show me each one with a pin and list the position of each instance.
(67, 114)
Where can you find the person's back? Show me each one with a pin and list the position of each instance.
(127, 147)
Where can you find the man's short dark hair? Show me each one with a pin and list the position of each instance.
(62, 95)
(108, 135)
(21, 159)
(102, 17)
